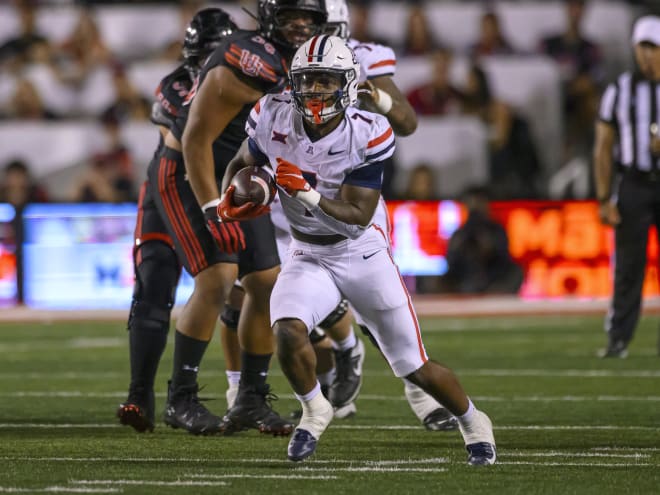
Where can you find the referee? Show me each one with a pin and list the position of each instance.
(627, 177)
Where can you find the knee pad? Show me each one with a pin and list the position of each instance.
(335, 315)
(156, 278)
(230, 317)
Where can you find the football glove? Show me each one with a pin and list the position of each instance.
(228, 235)
(290, 178)
(229, 212)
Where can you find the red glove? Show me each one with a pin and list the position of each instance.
(228, 235)
(229, 212)
(289, 177)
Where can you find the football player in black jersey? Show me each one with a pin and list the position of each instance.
(157, 267)
(218, 250)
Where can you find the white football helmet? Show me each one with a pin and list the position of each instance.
(338, 19)
(324, 78)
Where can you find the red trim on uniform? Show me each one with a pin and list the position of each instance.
(157, 236)
(257, 107)
(310, 57)
(138, 224)
(422, 352)
(191, 238)
(383, 137)
(382, 63)
(158, 89)
(162, 175)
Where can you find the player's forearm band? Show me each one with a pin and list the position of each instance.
(349, 230)
(309, 198)
(385, 103)
(213, 203)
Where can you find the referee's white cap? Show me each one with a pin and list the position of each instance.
(647, 29)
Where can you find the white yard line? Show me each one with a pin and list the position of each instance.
(58, 489)
(72, 394)
(149, 482)
(636, 449)
(575, 454)
(521, 373)
(263, 476)
(354, 427)
(577, 464)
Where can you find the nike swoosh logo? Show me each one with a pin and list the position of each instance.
(367, 256)
(331, 153)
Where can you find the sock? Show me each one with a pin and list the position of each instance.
(146, 348)
(346, 344)
(233, 378)
(188, 353)
(326, 379)
(466, 418)
(421, 403)
(317, 411)
(310, 395)
(254, 369)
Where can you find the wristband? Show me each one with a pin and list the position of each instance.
(602, 200)
(384, 104)
(213, 203)
(309, 198)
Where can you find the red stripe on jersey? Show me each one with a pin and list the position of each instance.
(383, 137)
(257, 107)
(420, 344)
(383, 63)
(310, 57)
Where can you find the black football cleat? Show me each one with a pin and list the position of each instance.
(136, 416)
(440, 420)
(301, 445)
(616, 349)
(137, 410)
(185, 410)
(481, 454)
(346, 386)
(253, 410)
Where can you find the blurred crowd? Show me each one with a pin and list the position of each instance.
(514, 167)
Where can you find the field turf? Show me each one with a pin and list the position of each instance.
(565, 421)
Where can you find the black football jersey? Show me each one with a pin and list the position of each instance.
(257, 63)
(170, 96)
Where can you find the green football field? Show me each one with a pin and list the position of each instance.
(565, 421)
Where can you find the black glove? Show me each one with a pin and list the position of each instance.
(228, 235)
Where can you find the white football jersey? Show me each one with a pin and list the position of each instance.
(375, 60)
(346, 155)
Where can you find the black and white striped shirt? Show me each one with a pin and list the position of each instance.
(632, 105)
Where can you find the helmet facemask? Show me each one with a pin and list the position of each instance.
(292, 27)
(321, 94)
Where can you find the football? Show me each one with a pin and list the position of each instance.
(255, 184)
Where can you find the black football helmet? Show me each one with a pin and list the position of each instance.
(272, 24)
(205, 32)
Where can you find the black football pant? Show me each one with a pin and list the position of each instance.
(639, 206)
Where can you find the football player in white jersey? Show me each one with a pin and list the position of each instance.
(377, 93)
(336, 251)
